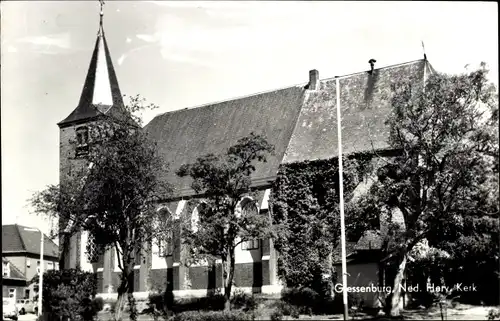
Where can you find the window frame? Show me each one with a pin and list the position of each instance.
(166, 247)
(6, 270)
(250, 245)
(82, 140)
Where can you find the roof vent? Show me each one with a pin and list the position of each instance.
(372, 65)
(313, 80)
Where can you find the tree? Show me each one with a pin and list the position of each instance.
(224, 180)
(112, 195)
(447, 169)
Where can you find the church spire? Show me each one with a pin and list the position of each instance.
(101, 93)
(101, 30)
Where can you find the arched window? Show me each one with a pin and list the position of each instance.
(91, 249)
(248, 207)
(166, 239)
(195, 216)
(82, 140)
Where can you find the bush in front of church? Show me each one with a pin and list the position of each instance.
(233, 315)
(69, 295)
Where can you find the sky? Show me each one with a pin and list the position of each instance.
(179, 54)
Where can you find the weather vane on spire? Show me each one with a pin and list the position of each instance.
(101, 15)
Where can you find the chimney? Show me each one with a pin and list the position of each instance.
(372, 64)
(313, 80)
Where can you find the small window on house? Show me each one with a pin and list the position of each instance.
(82, 140)
(27, 293)
(50, 266)
(38, 267)
(28, 262)
(56, 266)
(6, 269)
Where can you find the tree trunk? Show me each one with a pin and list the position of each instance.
(395, 297)
(131, 299)
(123, 290)
(228, 279)
(120, 303)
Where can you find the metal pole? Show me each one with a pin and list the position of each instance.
(341, 194)
(40, 290)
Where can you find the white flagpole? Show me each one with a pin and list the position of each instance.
(341, 204)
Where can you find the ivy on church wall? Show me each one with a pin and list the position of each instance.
(304, 206)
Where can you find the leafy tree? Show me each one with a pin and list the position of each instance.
(111, 193)
(447, 170)
(225, 179)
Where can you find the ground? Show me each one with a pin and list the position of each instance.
(461, 312)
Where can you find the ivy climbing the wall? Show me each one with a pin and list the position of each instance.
(305, 210)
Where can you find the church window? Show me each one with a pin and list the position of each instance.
(195, 217)
(248, 208)
(92, 253)
(82, 139)
(165, 247)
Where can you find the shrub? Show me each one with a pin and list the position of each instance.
(68, 293)
(300, 296)
(276, 315)
(287, 309)
(213, 302)
(98, 304)
(310, 302)
(493, 314)
(212, 316)
(243, 300)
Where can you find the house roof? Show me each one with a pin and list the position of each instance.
(187, 134)
(337, 252)
(371, 240)
(15, 273)
(18, 238)
(101, 94)
(365, 102)
(300, 123)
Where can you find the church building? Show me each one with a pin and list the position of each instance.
(300, 121)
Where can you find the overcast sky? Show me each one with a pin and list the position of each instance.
(182, 54)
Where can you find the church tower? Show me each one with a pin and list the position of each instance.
(100, 97)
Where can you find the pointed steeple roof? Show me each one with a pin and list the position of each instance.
(101, 93)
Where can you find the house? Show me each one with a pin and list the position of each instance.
(13, 281)
(21, 259)
(299, 120)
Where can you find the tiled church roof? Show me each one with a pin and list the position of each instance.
(184, 135)
(365, 104)
(300, 123)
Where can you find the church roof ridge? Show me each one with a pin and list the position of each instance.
(298, 85)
